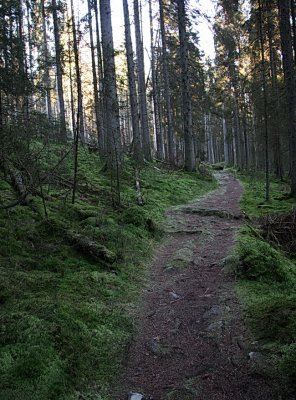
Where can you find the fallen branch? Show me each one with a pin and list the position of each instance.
(90, 247)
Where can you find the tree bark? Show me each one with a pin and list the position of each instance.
(102, 137)
(46, 63)
(142, 85)
(289, 75)
(186, 96)
(59, 69)
(275, 129)
(78, 78)
(167, 89)
(110, 91)
(137, 151)
(266, 134)
(98, 113)
(158, 131)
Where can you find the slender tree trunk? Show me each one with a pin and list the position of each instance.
(142, 85)
(266, 134)
(225, 139)
(102, 136)
(158, 132)
(167, 89)
(137, 151)
(99, 120)
(78, 78)
(30, 47)
(289, 75)
(22, 66)
(58, 51)
(275, 129)
(46, 77)
(186, 96)
(110, 92)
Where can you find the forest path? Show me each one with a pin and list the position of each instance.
(192, 343)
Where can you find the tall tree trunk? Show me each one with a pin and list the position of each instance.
(46, 77)
(102, 136)
(263, 72)
(59, 69)
(275, 128)
(142, 84)
(167, 89)
(289, 75)
(158, 132)
(225, 139)
(137, 151)
(80, 119)
(186, 96)
(98, 112)
(110, 91)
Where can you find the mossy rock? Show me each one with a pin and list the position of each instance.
(260, 261)
(182, 258)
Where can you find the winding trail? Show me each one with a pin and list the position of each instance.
(192, 343)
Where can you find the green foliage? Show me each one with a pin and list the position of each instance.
(66, 319)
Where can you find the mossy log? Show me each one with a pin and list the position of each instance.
(25, 197)
(90, 247)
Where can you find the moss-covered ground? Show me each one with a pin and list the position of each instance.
(267, 280)
(66, 318)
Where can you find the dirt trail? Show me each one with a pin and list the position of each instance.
(192, 343)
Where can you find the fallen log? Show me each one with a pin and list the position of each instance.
(90, 247)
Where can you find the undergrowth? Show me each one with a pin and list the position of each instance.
(267, 281)
(66, 318)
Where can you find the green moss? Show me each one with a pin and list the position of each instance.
(260, 261)
(267, 280)
(288, 363)
(66, 319)
(253, 199)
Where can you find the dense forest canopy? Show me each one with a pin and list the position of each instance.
(157, 98)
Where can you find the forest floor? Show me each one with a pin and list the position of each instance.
(192, 342)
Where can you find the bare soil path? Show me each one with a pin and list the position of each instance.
(192, 343)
